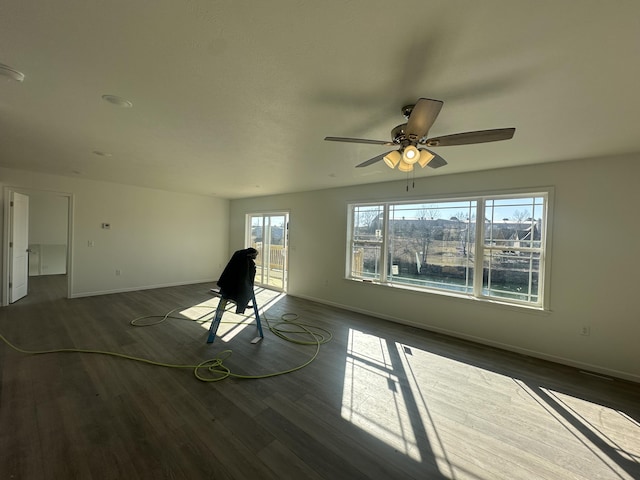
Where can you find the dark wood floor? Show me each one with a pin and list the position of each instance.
(381, 401)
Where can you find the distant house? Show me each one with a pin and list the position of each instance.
(512, 234)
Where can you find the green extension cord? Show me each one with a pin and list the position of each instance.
(215, 367)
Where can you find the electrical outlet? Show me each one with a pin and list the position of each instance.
(585, 330)
(118, 272)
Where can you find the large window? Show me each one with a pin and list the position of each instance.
(487, 247)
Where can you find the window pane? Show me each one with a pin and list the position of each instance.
(514, 222)
(513, 242)
(511, 275)
(366, 241)
(365, 260)
(432, 244)
(368, 221)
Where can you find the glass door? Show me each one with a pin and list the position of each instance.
(268, 233)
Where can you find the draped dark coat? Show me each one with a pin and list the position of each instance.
(236, 281)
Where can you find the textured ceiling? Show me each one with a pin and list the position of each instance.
(234, 98)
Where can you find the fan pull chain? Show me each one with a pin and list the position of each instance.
(413, 180)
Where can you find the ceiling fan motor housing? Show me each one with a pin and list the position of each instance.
(406, 110)
(398, 134)
(399, 137)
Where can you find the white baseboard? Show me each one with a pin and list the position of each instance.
(134, 289)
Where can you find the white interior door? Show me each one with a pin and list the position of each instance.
(19, 246)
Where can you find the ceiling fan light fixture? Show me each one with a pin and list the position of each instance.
(404, 166)
(392, 159)
(425, 157)
(410, 155)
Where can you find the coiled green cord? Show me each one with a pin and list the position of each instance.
(215, 368)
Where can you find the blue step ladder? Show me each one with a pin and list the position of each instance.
(217, 318)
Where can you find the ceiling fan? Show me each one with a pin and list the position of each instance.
(408, 137)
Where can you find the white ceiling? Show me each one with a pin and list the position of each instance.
(233, 98)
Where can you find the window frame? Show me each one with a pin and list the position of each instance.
(478, 291)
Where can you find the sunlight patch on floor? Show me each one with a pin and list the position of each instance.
(202, 312)
(609, 435)
(372, 398)
(232, 323)
(435, 406)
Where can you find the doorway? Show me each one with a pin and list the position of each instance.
(269, 234)
(48, 218)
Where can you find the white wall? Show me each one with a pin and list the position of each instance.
(595, 262)
(157, 238)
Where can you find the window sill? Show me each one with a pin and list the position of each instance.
(459, 297)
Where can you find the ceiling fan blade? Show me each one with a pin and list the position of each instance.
(466, 138)
(437, 161)
(422, 116)
(359, 140)
(373, 160)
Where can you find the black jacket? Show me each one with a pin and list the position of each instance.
(236, 281)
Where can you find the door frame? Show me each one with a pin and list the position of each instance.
(7, 231)
(276, 213)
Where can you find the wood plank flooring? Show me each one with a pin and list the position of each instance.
(381, 401)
